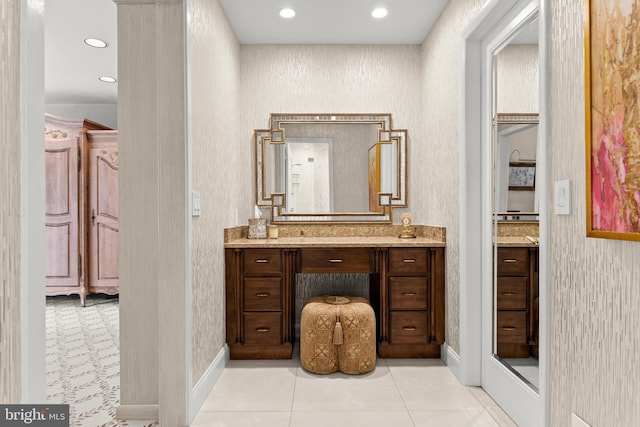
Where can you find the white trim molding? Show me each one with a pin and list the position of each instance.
(451, 359)
(205, 384)
(138, 412)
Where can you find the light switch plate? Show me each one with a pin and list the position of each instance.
(195, 203)
(562, 197)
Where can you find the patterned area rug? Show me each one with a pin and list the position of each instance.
(83, 359)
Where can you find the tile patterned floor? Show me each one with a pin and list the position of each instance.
(398, 393)
(83, 371)
(83, 359)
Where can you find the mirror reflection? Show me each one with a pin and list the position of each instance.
(338, 167)
(515, 146)
(515, 207)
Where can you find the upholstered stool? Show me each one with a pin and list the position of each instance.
(318, 354)
(338, 333)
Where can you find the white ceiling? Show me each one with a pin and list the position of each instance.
(332, 21)
(72, 68)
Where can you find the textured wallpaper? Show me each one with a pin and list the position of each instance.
(330, 79)
(594, 368)
(10, 385)
(517, 79)
(434, 179)
(221, 169)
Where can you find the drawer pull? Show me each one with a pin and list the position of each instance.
(510, 261)
(508, 328)
(335, 261)
(262, 261)
(409, 294)
(262, 329)
(509, 294)
(408, 260)
(409, 328)
(262, 295)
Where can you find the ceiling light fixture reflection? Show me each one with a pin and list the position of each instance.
(96, 42)
(287, 13)
(380, 12)
(107, 79)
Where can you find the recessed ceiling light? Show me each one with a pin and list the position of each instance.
(107, 79)
(287, 13)
(95, 42)
(380, 12)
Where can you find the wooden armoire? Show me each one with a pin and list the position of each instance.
(81, 207)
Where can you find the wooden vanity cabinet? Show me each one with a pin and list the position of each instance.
(516, 315)
(406, 292)
(258, 322)
(415, 307)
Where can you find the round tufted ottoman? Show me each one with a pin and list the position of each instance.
(338, 334)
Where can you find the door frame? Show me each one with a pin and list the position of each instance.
(32, 193)
(474, 181)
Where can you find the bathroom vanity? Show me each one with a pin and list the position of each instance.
(516, 298)
(406, 285)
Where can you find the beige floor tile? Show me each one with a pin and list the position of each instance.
(241, 419)
(430, 386)
(339, 392)
(453, 419)
(351, 419)
(254, 386)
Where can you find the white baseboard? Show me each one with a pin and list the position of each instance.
(138, 412)
(203, 387)
(452, 360)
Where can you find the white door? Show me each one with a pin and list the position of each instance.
(496, 24)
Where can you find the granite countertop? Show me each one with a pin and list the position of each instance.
(516, 242)
(338, 235)
(327, 242)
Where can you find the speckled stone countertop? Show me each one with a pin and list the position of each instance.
(516, 242)
(337, 235)
(514, 234)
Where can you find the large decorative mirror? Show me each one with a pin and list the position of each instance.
(331, 167)
(515, 229)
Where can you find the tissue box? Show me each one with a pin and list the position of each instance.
(257, 228)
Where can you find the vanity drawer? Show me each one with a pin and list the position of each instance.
(408, 260)
(262, 293)
(512, 327)
(408, 293)
(262, 328)
(512, 293)
(408, 327)
(349, 260)
(262, 261)
(513, 261)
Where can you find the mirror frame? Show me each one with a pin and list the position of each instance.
(276, 135)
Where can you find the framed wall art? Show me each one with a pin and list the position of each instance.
(522, 176)
(612, 110)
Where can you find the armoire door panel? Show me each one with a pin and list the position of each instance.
(107, 252)
(57, 242)
(103, 208)
(61, 212)
(107, 188)
(57, 166)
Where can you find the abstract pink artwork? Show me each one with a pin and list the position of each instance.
(612, 85)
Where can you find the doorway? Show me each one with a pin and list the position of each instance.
(480, 364)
